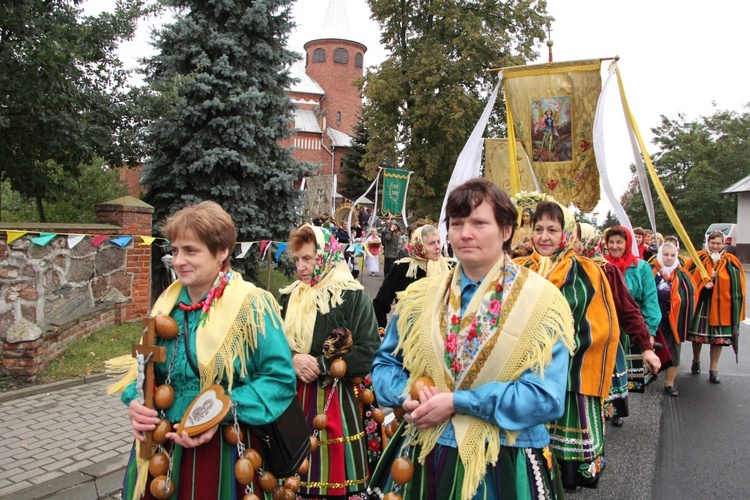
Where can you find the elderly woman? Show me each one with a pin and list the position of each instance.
(425, 259)
(578, 436)
(721, 303)
(521, 245)
(228, 332)
(676, 293)
(325, 298)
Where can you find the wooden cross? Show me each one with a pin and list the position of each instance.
(151, 354)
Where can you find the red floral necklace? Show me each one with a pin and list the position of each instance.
(216, 291)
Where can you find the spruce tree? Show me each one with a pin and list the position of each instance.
(222, 71)
(355, 181)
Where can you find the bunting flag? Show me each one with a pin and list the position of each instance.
(98, 240)
(121, 241)
(279, 250)
(550, 109)
(13, 235)
(74, 239)
(43, 239)
(395, 182)
(263, 248)
(497, 169)
(244, 247)
(146, 241)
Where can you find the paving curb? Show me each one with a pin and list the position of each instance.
(54, 386)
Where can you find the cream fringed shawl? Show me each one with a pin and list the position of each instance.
(523, 340)
(306, 301)
(432, 268)
(230, 330)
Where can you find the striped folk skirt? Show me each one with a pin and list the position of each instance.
(616, 404)
(338, 468)
(701, 331)
(520, 473)
(577, 440)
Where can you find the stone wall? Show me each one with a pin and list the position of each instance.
(53, 295)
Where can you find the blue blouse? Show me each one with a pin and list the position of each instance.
(523, 405)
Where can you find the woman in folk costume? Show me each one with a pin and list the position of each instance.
(425, 259)
(578, 436)
(676, 292)
(629, 319)
(640, 281)
(721, 303)
(494, 339)
(373, 246)
(326, 298)
(228, 332)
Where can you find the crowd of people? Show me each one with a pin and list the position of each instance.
(501, 365)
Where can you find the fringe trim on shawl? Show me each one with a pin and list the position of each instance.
(419, 311)
(432, 268)
(305, 302)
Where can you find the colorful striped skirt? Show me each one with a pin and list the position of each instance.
(616, 404)
(701, 331)
(338, 468)
(520, 473)
(577, 440)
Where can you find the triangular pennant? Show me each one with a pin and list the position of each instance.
(358, 249)
(147, 240)
(263, 246)
(121, 241)
(43, 239)
(244, 247)
(74, 239)
(98, 240)
(14, 235)
(280, 249)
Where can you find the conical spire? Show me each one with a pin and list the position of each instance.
(336, 24)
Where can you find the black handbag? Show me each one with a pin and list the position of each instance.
(285, 441)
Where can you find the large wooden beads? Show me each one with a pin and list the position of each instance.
(165, 326)
(244, 471)
(251, 496)
(320, 421)
(338, 368)
(391, 428)
(402, 470)
(303, 468)
(293, 483)
(161, 488)
(367, 396)
(158, 464)
(420, 384)
(231, 436)
(313, 444)
(164, 396)
(399, 413)
(160, 433)
(267, 481)
(392, 496)
(254, 457)
(377, 415)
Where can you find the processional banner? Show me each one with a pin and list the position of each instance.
(497, 166)
(319, 191)
(550, 111)
(395, 182)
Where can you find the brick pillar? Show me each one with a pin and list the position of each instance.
(134, 218)
(23, 359)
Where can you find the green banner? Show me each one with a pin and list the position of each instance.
(394, 191)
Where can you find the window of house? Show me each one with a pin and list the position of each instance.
(358, 60)
(338, 117)
(340, 56)
(319, 55)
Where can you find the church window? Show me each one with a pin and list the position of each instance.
(340, 56)
(319, 56)
(358, 60)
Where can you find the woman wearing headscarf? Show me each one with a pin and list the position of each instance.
(226, 331)
(425, 259)
(641, 285)
(676, 292)
(577, 438)
(721, 303)
(522, 246)
(630, 321)
(326, 298)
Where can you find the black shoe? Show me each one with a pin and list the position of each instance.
(618, 421)
(695, 368)
(669, 390)
(714, 377)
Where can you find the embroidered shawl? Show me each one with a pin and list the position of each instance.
(728, 295)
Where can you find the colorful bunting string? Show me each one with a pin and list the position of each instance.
(74, 239)
(121, 241)
(43, 239)
(98, 240)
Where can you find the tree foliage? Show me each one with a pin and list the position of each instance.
(63, 95)
(425, 98)
(355, 181)
(223, 69)
(697, 161)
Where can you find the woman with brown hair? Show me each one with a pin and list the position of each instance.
(522, 246)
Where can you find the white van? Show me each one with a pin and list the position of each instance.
(730, 233)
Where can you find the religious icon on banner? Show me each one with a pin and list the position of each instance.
(551, 129)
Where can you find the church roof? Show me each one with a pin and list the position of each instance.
(305, 121)
(304, 82)
(339, 139)
(336, 24)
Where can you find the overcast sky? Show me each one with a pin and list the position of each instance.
(676, 56)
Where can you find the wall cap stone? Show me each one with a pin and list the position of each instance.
(23, 331)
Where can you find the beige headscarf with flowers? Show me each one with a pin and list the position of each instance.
(418, 258)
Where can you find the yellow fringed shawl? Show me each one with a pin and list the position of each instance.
(524, 340)
(305, 301)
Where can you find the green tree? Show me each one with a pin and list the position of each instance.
(224, 69)
(610, 220)
(696, 162)
(423, 101)
(355, 181)
(63, 95)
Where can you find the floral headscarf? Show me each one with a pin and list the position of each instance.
(592, 245)
(627, 259)
(418, 258)
(547, 263)
(328, 253)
